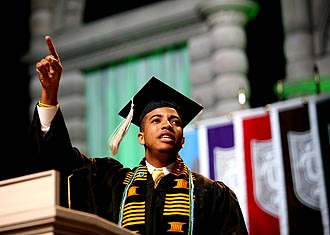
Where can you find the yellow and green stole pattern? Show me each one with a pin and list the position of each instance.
(178, 208)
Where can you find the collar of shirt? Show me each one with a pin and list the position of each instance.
(167, 169)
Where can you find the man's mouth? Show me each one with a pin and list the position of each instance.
(166, 137)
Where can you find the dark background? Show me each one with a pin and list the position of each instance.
(264, 51)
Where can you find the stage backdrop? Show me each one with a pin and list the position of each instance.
(277, 160)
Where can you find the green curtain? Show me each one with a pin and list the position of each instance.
(108, 89)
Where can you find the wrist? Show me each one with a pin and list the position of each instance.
(40, 104)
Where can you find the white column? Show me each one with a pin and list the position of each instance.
(229, 65)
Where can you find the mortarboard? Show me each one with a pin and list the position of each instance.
(154, 94)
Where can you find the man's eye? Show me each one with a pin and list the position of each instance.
(156, 120)
(176, 122)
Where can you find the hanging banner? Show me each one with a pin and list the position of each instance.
(254, 142)
(224, 163)
(294, 144)
(319, 106)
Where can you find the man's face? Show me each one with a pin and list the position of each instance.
(162, 131)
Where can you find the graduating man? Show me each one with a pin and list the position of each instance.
(179, 202)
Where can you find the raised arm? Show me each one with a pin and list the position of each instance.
(49, 70)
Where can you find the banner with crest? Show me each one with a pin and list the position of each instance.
(261, 170)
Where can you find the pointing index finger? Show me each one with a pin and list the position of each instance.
(51, 47)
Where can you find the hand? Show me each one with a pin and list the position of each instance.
(49, 70)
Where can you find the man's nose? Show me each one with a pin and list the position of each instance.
(167, 124)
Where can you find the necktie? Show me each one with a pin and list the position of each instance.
(157, 174)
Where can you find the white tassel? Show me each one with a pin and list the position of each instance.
(120, 131)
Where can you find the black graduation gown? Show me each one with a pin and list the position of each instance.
(97, 184)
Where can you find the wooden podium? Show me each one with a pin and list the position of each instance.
(30, 205)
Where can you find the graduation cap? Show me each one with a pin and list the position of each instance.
(154, 94)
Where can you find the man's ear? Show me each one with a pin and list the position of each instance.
(141, 138)
(182, 141)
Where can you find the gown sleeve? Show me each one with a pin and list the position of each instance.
(94, 182)
(53, 151)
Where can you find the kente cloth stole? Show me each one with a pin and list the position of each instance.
(178, 209)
